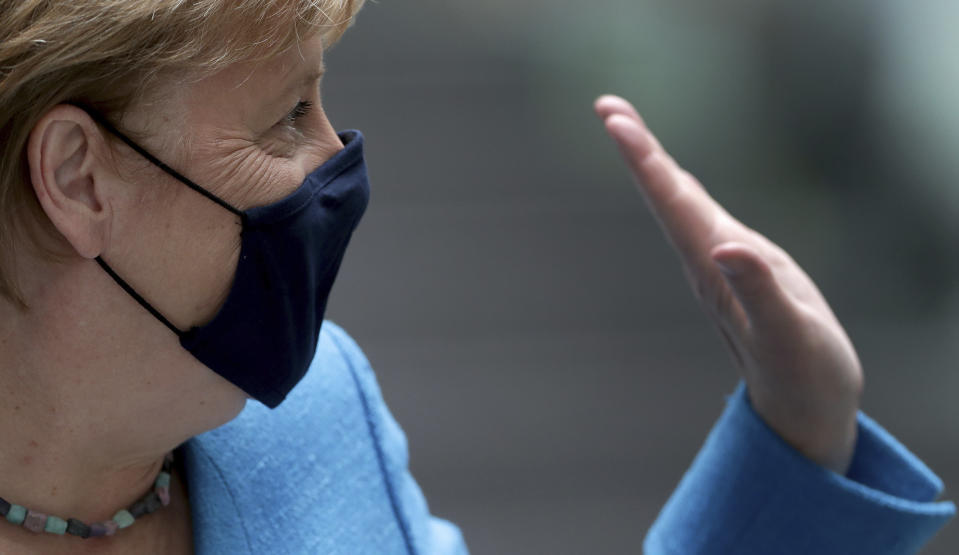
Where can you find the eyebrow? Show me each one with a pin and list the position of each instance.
(313, 76)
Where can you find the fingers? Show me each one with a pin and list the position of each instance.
(624, 123)
(688, 215)
(608, 105)
(765, 304)
(634, 141)
(705, 235)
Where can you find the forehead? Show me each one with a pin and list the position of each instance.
(296, 66)
(245, 90)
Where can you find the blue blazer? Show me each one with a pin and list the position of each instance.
(327, 472)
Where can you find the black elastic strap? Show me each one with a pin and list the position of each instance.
(156, 161)
(136, 296)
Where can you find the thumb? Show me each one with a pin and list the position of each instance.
(766, 304)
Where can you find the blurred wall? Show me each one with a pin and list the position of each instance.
(531, 330)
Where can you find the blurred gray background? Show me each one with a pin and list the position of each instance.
(532, 331)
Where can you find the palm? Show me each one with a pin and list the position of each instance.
(801, 370)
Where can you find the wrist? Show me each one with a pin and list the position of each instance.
(821, 428)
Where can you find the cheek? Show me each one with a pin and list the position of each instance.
(247, 176)
(199, 255)
(208, 236)
(176, 249)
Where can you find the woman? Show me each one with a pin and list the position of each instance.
(175, 206)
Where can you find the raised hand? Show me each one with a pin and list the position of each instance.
(801, 370)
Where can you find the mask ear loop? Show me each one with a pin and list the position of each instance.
(160, 164)
(137, 297)
(176, 175)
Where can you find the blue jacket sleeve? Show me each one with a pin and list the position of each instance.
(748, 492)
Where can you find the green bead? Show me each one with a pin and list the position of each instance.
(55, 525)
(123, 518)
(17, 514)
(163, 480)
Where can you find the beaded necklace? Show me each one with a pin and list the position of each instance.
(37, 522)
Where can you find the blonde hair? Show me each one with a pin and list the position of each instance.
(106, 53)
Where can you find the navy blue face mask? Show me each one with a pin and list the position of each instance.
(264, 337)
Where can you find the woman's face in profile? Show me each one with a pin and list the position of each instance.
(250, 134)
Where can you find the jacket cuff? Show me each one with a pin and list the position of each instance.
(749, 492)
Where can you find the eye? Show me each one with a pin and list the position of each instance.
(284, 138)
(299, 111)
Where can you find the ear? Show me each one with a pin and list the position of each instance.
(68, 172)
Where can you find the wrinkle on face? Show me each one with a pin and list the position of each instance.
(244, 149)
(245, 176)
